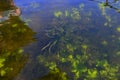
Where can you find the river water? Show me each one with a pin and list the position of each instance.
(61, 40)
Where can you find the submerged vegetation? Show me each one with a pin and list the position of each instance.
(83, 44)
(74, 53)
(55, 74)
(74, 14)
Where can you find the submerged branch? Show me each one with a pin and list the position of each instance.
(46, 46)
(52, 45)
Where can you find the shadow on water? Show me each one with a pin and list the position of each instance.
(14, 35)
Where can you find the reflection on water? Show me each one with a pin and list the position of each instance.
(75, 40)
(14, 34)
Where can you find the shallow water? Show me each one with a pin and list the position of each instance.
(61, 40)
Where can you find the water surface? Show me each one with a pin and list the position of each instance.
(61, 40)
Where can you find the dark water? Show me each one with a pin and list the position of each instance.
(61, 40)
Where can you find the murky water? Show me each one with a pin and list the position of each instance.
(60, 40)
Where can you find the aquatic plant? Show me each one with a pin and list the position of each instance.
(58, 13)
(104, 42)
(8, 62)
(82, 67)
(118, 29)
(81, 6)
(74, 14)
(55, 75)
(72, 52)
